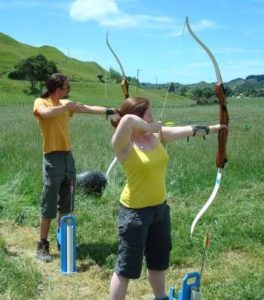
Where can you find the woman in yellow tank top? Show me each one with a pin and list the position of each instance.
(144, 215)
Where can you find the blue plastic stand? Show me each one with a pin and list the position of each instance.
(191, 281)
(66, 238)
(172, 293)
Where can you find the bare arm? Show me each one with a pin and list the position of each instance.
(122, 137)
(170, 134)
(46, 112)
(90, 109)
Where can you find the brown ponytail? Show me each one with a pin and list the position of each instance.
(132, 105)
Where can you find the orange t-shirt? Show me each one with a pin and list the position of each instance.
(55, 129)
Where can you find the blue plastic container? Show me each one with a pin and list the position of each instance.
(66, 237)
(191, 281)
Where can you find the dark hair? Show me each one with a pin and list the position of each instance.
(55, 81)
(132, 105)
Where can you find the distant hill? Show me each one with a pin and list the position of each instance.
(12, 51)
(252, 86)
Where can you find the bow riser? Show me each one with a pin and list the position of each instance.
(221, 158)
(220, 93)
(124, 86)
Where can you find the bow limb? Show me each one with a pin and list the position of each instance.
(210, 200)
(124, 83)
(124, 86)
(216, 67)
(221, 158)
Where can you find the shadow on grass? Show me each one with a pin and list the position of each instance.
(98, 252)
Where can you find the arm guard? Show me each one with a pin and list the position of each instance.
(109, 112)
(200, 128)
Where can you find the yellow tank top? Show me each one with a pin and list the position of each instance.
(145, 172)
(55, 130)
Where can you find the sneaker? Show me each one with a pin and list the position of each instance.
(43, 252)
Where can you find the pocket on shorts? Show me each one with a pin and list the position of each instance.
(126, 216)
(130, 228)
(50, 172)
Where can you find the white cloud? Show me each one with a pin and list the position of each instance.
(85, 10)
(108, 14)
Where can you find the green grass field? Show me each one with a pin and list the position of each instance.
(234, 267)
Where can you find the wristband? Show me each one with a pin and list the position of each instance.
(200, 128)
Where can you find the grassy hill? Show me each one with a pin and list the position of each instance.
(85, 85)
(12, 51)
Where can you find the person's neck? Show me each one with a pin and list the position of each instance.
(141, 139)
(55, 99)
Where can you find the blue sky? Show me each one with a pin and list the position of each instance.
(147, 35)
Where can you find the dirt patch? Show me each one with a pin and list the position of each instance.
(90, 282)
(21, 242)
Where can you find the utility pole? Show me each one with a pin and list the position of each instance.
(137, 77)
(106, 84)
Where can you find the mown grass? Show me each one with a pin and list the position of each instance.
(234, 262)
(19, 279)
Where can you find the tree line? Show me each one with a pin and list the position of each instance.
(37, 69)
